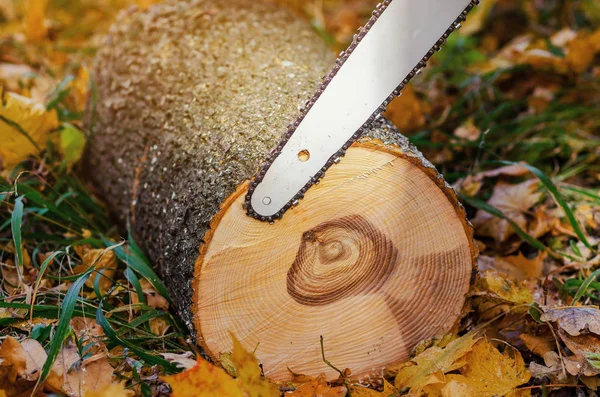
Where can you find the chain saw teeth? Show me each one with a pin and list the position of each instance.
(335, 158)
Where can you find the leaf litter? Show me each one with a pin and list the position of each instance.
(519, 83)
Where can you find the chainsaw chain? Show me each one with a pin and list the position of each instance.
(335, 158)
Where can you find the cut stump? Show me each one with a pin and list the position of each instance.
(375, 258)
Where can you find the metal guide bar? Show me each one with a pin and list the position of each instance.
(335, 158)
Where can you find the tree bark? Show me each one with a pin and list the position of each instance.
(192, 96)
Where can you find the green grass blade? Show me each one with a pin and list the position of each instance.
(15, 224)
(585, 285)
(39, 277)
(112, 334)
(557, 196)
(141, 267)
(68, 307)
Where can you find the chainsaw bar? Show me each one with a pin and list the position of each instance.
(335, 158)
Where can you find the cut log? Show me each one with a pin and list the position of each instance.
(375, 258)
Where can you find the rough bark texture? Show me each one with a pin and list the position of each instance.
(191, 98)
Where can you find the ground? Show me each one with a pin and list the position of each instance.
(509, 112)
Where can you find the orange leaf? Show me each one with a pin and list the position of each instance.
(204, 380)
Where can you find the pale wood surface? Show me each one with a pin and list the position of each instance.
(376, 258)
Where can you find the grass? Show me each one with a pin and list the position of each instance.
(52, 212)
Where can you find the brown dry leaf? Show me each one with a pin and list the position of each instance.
(586, 350)
(507, 170)
(92, 376)
(517, 267)
(422, 369)
(468, 131)
(488, 372)
(183, 360)
(544, 221)
(67, 357)
(574, 320)
(407, 112)
(153, 298)
(539, 345)
(35, 26)
(112, 390)
(100, 259)
(513, 201)
(318, 387)
(35, 358)
(24, 116)
(10, 276)
(14, 360)
(388, 390)
(203, 380)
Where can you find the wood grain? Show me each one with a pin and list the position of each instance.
(375, 259)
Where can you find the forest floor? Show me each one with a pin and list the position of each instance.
(509, 112)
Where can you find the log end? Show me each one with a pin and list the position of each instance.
(375, 258)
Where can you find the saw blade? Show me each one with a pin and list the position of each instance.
(384, 56)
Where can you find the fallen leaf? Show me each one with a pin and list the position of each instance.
(249, 374)
(94, 376)
(455, 388)
(407, 111)
(24, 127)
(477, 17)
(35, 25)
(494, 285)
(508, 170)
(539, 345)
(203, 380)
(72, 143)
(35, 358)
(581, 50)
(14, 360)
(516, 267)
(388, 390)
(99, 259)
(513, 201)
(112, 390)
(319, 387)
(468, 131)
(574, 320)
(418, 372)
(488, 372)
(182, 360)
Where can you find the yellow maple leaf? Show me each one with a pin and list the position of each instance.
(311, 387)
(487, 373)
(433, 362)
(388, 390)
(24, 127)
(204, 380)
(35, 26)
(207, 380)
(249, 373)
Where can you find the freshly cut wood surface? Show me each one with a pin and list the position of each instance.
(192, 96)
(375, 258)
